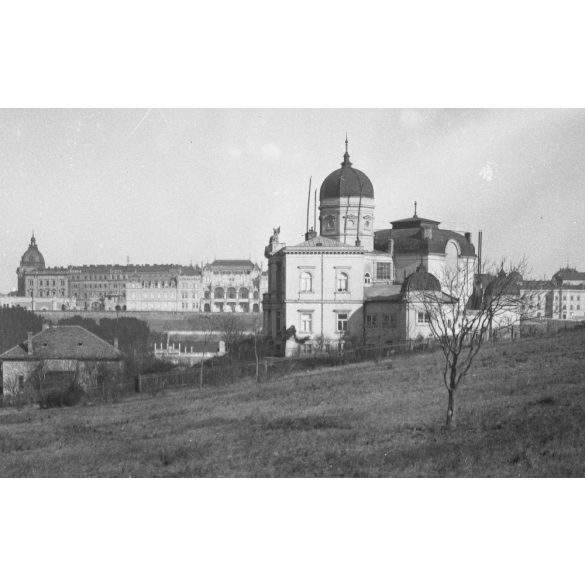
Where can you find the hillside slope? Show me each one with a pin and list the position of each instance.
(522, 413)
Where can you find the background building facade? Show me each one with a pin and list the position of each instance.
(221, 286)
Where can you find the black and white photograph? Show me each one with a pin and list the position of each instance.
(292, 294)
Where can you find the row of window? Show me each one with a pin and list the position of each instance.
(307, 322)
(383, 272)
(570, 307)
(565, 298)
(31, 282)
(349, 222)
(220, 293)
(50, 293)
(387, 321)
(76, 285)
(231, 307)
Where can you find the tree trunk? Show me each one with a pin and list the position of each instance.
(451, 409)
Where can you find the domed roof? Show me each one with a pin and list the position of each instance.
(33, 257)
(346, 182)
(421, 280)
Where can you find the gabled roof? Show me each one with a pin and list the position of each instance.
(71, 342)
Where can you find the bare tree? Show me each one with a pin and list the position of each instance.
(208, 327)
(465, 313)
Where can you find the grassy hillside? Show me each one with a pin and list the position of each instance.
(521, 414)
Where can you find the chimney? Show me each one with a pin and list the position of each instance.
(310, 235)
(468, 236)
(116, 343)
(29, 342)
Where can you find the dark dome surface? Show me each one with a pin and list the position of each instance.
(345, 182)
(33, 256)
(421, 280)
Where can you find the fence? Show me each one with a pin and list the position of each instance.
(220, 372)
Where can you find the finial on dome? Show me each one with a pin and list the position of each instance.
(346, 162)
(415, 215)
(33, 240)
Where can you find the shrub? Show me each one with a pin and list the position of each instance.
(58, 397)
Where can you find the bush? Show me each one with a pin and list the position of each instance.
(58, 397)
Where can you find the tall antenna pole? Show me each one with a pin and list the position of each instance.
(479, 246)
(315, 212)
(308, 204)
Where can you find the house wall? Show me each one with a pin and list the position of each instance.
(86, 372)
(324, 307)
(394, 321)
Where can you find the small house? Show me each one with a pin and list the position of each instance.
(59, 355)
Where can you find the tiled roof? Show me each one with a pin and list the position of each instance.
(64, 342)
(248, 264)
(382, 292)
(191, 271)
(411, 240)
(568, 274)
(536, 285)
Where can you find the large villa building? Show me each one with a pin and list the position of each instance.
(351, 282)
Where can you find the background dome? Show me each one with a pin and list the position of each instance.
(32, 257)
(345, 182)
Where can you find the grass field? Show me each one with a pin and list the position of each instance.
(521, 413)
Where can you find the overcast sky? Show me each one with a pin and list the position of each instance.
(175, 186)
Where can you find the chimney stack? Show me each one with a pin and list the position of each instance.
(29, 342)
(468, 236)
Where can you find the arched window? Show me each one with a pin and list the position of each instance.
(341, 282)
(367, 278)
(256, 308)
(451, 257)
(231, 292)
(218, 293)
(256, 296)
(306, 282)
(244, 293)
(330, 223)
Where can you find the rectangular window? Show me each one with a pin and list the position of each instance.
(277, 325)
(306, 323)
(341, 321)
(383, 270)
(423, 317)
(386, 321)
(371, 320)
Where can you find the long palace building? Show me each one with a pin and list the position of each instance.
(219, 286)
